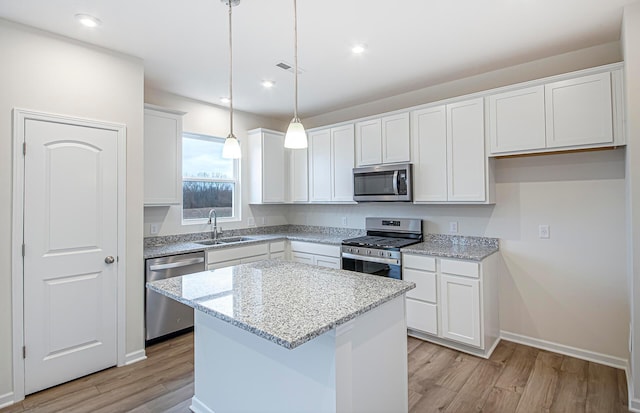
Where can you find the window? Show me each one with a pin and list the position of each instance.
(208, 180)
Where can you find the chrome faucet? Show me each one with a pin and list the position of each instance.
(215, 231)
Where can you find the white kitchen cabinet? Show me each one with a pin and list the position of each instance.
(455, 302)
(383, 140)
(268, 170)
(449, 162)
(579, 111)
(575, 112)
(466, 158)
(298, 175)
(517, 120)
(277, 250)
(322, 255)
(234, 255)
(162, 156)
(331, 160)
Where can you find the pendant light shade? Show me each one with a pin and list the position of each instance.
(296, 136)
(231, 148)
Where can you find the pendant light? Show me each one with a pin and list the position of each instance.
(296, 137)
(231, 148)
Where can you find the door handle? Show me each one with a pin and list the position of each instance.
(109, 260)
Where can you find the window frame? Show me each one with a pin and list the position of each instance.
(237, 210)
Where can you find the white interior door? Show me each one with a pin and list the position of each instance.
(70, 230)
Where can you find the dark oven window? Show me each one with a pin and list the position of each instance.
(367, 267)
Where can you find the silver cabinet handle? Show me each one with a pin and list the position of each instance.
(109, 260)
(177, 264)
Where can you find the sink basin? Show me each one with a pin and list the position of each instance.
(222, 240)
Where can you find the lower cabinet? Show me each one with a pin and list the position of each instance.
(316, 254)
(455, 302)
(226, 257)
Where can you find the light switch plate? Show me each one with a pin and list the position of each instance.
(543, 232)
(153, 229)
(453, 227)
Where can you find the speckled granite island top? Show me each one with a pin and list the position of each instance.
(287, 303)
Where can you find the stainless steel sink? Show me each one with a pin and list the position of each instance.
(218, 241)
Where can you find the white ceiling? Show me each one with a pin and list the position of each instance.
(411, 44)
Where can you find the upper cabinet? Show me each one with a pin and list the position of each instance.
(574, 113)
(298, 175)
(448, 155)
(331, 161)
(268, 169)
(162, 156)
(383, 140)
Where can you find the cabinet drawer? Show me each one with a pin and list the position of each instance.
(222, 264)
(426, 286)
(317, 249)
(422, 316)
(302, 257)
(277, 255)
(276, 246)
(235, 253)
(465, 268)
(328, 262)
(419, 262)
(254, 258)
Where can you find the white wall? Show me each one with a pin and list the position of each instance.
(46, 73)
(631, 49)
(204, 118)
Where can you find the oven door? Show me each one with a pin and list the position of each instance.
(381, 267)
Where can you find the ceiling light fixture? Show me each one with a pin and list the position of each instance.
(358, 49)
(225, 100)
(296, 137)
(231, 148)
(268, 84)
(88, 20)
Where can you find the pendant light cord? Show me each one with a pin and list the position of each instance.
(230, 75)
(295, 57)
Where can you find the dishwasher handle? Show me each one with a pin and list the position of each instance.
(177, 264)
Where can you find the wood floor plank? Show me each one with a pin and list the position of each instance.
(541, 386)
(602, 391)
(518, 368)
(571, 389)
(516, 378)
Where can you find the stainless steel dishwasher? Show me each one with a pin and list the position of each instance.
(163, 315)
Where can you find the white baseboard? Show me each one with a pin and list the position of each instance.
(134, 357)
(578, 353)
(634, 404)
(198, 407)
(6, 399)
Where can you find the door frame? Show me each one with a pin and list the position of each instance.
(17, 235)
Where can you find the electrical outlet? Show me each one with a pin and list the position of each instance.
(344, 221)
(543, 232)
(453, 227)
(251, 222)
(153, 229)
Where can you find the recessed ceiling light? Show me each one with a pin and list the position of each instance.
(358, 48)
(225, 100)
(268, 84)
(87, 20)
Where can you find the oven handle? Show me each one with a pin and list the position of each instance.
(390, 261)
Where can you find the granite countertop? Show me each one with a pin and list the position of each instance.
(287, 303)
(451, 246)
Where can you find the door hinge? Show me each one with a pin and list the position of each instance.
(22, 250)
(24, 148)
(24, 352)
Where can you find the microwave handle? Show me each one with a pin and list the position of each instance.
(395, 182)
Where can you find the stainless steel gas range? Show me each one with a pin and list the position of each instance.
(378, 252)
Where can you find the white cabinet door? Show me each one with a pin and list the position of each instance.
(369, 142)
(516, 120)
(320, 166)
(422, 316)
(342, 148)
(222, 264)
(298, 175)
(273, 168)
(460, 309)
(302, 257)
(429, 155)
(465, 151)
(254, 258)
(327, 262)
(395, 138)
(426, 285)
(579, 111)
(162, 157)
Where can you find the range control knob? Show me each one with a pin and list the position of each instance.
(356, 251)
(381, 253)
(368, 252)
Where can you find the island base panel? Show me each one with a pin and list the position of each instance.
(359, 366)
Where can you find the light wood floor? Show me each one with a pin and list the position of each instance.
(515, 379)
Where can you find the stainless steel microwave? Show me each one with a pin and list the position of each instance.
(382, 183)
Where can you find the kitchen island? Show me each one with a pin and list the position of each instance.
(278, 336)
